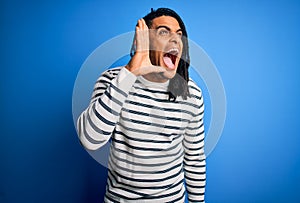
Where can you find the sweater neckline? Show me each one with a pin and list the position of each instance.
(163, 85)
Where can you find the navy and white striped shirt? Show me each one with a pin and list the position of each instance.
(157, 145)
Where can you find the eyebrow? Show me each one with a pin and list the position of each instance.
(166, 27)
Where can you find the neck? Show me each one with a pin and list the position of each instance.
(156, 77)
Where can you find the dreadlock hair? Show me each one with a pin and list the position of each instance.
(178, 85)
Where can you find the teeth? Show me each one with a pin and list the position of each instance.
(173, 50)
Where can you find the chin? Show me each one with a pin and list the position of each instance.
(169, 74)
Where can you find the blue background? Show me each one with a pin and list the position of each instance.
(254, 44)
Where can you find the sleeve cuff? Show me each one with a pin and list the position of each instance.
(125, 80)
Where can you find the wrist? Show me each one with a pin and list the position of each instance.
(132, 69)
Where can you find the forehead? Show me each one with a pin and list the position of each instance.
(166, 21)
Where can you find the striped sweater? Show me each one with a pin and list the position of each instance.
(157, 145)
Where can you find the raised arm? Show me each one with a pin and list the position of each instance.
(96, 124)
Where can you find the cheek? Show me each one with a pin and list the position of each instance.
(181, 52)
(157, 45)
(181, 46)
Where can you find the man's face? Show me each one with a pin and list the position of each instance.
(166, 44)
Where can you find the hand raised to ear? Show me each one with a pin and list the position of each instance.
(140, 63)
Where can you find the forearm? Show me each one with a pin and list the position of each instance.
(96, 124)
(195, 177)
(194, 158)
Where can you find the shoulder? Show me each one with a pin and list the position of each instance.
(113, 72)
(194, 89)
(109, 74)
(196, 97)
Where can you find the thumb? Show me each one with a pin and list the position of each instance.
(157, 69)
(152, 69)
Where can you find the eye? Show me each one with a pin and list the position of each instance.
(179, 34)
(163, 32)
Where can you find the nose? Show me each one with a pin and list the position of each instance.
(174, 38)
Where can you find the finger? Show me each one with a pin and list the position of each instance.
(158, 69)
(142, 36)
(145, 27)
(152, 69)
(144, 70)
(137, 40)
(140, 24)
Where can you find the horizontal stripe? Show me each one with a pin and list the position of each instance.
(109, 77)
(95, 127)
(108, 109)
(149, 97)
(186, 164)
(88, 137)
(159, 107)
(140, 187)
(194, 201)
(150, 123)
(100, 117)
(102, 81)
(200, 125)
(139, 180)
(118, 90)
(197, 193)
(113, 99)
(151, 164)
(164, 118)
(195, 172)
(194, 148)
(191, 160)
(145, 132)
(193, 140)
(109, 198)
(117, 132)
(190, 138)
(149, 197)
(197, 154)
(163, 100)
(126, 188)
(145, 148)
(152, 91)
(144, 171)
(195, 186)
(100, 93)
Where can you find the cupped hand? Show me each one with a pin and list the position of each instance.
(140, 63)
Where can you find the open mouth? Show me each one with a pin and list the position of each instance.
(170, 58)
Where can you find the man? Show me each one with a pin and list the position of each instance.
(153, 114)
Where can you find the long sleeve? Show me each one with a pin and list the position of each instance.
(194, 158)
(96, 124)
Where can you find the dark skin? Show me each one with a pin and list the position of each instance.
(164, 36)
